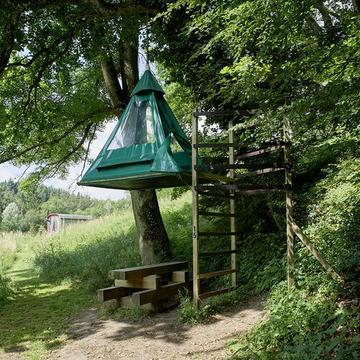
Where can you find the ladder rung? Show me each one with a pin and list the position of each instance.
(215, 292)
(258, 191)
(215, 274)
(224, 252)
(218, 145)
(210, 213)
(260, 152)
(204, 193)
(217, 233)
(239, 187)
(225, 113)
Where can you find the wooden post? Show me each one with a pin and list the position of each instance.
(232, 208)
(289, 207)
(311, 247)
(195, 211)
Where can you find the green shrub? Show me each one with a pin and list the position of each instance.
(6, 290)
(188, 313)
(302, 326)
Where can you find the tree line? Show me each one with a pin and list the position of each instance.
(27, 211)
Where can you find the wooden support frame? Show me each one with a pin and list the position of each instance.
(228, 187)
(197, 234)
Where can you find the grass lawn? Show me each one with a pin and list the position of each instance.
(37, 318)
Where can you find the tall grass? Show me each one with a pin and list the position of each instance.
(85, 253)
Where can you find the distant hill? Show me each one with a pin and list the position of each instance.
(27, 210)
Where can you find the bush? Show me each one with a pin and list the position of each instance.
(303, 326)
(6, 290)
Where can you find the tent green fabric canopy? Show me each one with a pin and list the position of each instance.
(147, 148)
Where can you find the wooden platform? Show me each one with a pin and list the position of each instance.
(149, 284)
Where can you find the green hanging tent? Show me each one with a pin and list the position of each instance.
(147, 148)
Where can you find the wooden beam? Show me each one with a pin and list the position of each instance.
(259, 152)
(217, 233)
(149, 296)
(232, 207)
(180, 276)
(224, 113)
(289, 208)
(147, 282)
(221, 252)
(195, 211)
(217, 145)
(141, 271)
(259, 172)
(311, 247)
(212, 274)
(216, 214)
(113, 292)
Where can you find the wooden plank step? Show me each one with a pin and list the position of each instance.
(215, 292)
(260, 172)
(215, 274)
(222, 252)
(259, 152)
(147, 282)
(113, 292)
(217, 233)
(211, 213)
(142, 271)
(149, 296)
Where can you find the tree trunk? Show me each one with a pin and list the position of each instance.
(153, 240)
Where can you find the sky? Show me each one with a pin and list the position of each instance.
(8, 171)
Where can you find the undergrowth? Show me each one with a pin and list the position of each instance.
(134, 314)
(6, 290)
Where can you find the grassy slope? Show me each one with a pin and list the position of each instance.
(55, 278)
(36, 319)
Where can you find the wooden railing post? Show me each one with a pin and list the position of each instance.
(289, 206)
(195, 211)
(232, 208)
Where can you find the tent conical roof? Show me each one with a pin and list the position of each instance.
(147, 148)
(146, 83)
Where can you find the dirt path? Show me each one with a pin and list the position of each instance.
(160, 337)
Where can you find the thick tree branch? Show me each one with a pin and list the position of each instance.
(115, 91)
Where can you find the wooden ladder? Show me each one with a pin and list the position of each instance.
(198, 190)
(206, 183)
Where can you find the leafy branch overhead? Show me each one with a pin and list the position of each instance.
(51, 84)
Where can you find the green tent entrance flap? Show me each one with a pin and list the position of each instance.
(147, 148)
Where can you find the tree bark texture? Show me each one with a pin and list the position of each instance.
(154, 242)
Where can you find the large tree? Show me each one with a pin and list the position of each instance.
(66, 67)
